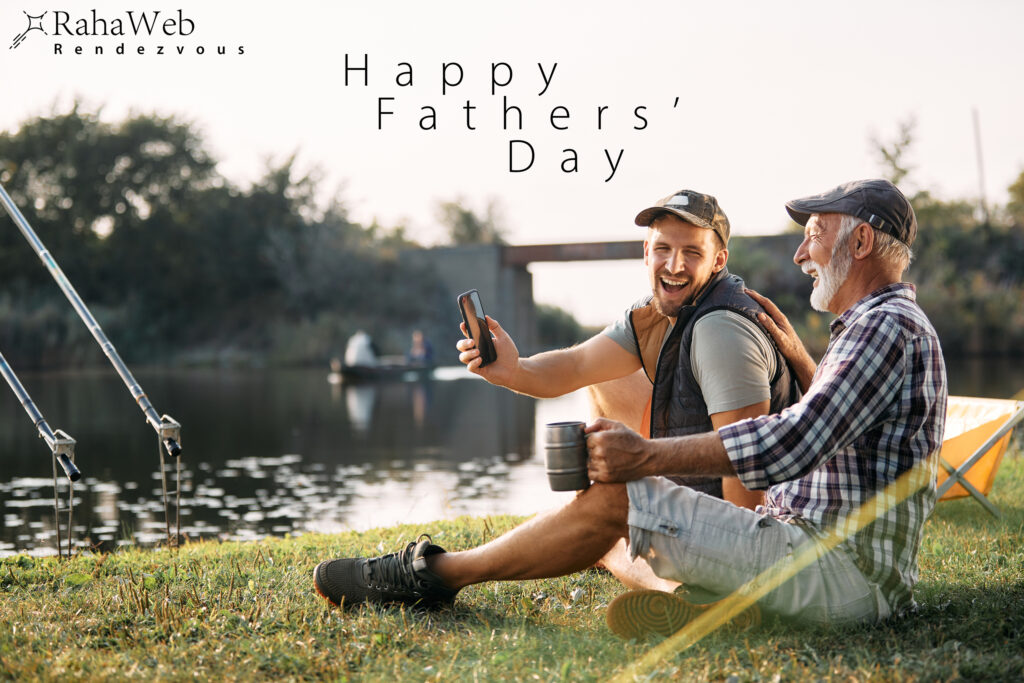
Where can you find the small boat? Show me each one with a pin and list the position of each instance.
(385, 370)
(362, 363)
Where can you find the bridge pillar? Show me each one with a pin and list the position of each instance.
(500, 273)
(506, 290)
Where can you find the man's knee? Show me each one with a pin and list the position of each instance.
(607, 504)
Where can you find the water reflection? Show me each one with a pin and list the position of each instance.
(276, 452)
(359, 401)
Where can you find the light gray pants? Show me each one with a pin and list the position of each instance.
(706, 542)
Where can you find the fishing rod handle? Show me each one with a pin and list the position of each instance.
(69, 468)
(173, 447)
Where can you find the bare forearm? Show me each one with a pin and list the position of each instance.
(804, 367)
(618, 454)
(698, 454)
(546, 375)
(554, 373)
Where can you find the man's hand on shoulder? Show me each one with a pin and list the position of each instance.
(786, 339)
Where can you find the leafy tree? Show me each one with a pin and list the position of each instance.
(1015, 208)
(78, 179)
(466, 227)
(893, 155)
(557, 328)
(173, 260)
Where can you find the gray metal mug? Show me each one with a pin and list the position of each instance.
(565, 456)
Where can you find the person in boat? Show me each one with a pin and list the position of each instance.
(421, 352)
(849, 470)
(360, 352)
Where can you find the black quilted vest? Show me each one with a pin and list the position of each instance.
(677, 405)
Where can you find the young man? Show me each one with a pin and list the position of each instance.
(687, 358)
(872, 415)
(694, 342)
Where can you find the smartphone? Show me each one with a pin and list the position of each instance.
(476, 323)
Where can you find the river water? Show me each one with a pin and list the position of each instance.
(271, 452)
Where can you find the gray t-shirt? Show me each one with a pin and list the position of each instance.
(733, 361)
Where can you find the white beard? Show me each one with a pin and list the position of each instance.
(830, 277)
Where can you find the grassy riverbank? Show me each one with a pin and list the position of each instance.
(241, 611)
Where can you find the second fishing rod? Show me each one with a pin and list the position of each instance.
(167, 428)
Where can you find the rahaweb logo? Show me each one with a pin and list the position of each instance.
(34, 24)
(145, 32)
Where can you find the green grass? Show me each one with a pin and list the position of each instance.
(243, 611)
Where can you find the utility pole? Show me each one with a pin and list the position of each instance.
(981, 167)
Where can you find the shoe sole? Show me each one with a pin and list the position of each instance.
(636, 614)
(316, 585)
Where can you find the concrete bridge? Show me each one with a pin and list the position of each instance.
(506, 286)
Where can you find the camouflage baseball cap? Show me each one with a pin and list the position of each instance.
(698, 209)
(877, 202)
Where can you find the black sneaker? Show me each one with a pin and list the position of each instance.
(399, 577)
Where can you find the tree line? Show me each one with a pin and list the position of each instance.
(968, 265)
(179, 265)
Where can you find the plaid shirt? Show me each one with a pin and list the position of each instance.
(875, 409)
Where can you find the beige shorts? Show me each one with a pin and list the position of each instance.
(702, 541)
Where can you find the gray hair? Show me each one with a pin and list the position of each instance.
(887, 247)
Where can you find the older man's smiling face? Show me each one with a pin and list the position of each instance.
(825, 257)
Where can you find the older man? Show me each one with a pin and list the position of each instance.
(873, 412)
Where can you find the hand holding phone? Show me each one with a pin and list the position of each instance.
(476, 324)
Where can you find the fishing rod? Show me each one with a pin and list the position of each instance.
(168, 429)
(61, 445)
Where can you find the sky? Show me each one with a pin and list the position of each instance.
(753, 102)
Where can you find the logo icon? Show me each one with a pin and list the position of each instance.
(33, 24)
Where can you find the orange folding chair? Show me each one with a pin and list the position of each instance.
(978, 431)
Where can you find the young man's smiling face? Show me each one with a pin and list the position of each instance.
(681, 259)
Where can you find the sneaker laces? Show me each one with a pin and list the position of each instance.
(395, 570)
